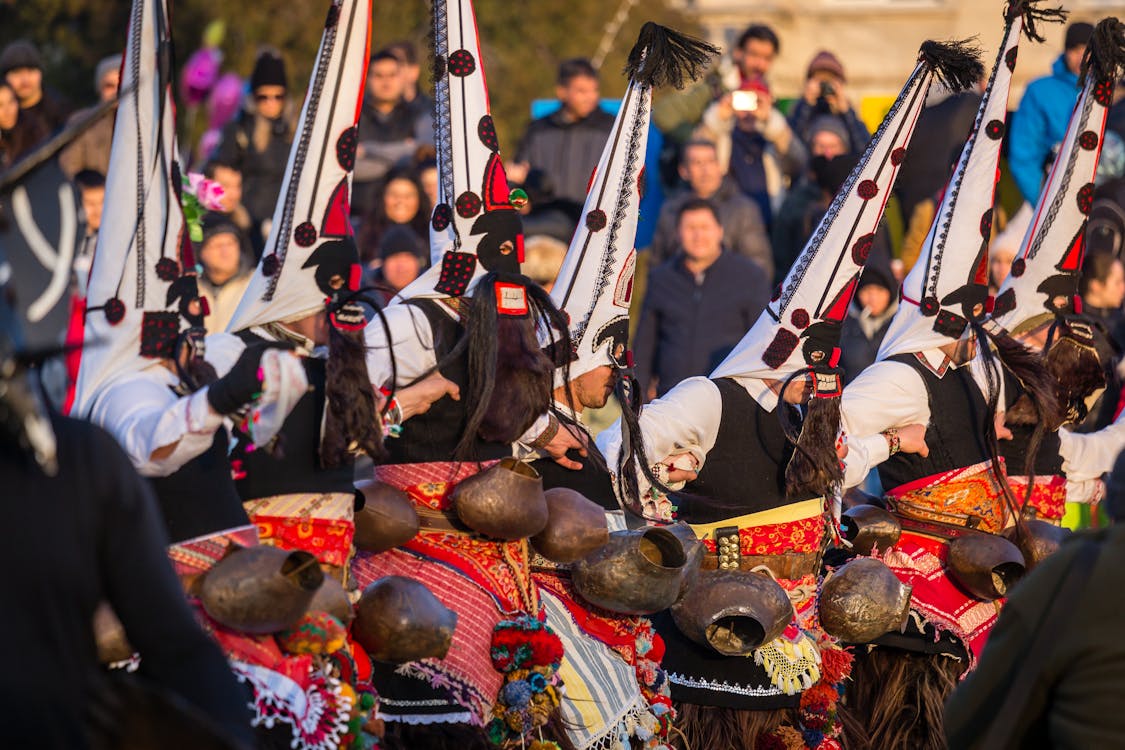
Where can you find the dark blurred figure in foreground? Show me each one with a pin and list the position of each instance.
(1051, 675)
(83, 528)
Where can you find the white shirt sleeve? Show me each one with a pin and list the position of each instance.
(522, 447)
(284, 383)
(144, 414)
(1088, 456)
(684, 420)
(885, 395)
(864, 454)
(412, 340)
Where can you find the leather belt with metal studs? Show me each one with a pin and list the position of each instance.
(728, 547)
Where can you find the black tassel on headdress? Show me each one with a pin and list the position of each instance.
(814, 468)
(956, 64)
(1105, 55)
(1033, 14)
(662, 57)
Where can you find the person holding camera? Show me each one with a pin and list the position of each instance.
(755, 144)
(825, 95)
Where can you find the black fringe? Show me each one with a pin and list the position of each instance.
(718, 728)
(1027, 367)
(956, 64)
(1105, 54)
(663, 57)
(1033, 14)
(508, 413)
(814, 467)
(899, 697)
(633, 452)
(351, 421)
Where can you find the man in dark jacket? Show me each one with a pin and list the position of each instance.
(390, 129)
(566, 144)
(256, 142)
(91, 149)
(698, 304)
(825, 96)
(21, 66)
(743, 226)
(1078, 690)
(82, 528)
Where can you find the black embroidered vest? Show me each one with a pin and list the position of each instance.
(200, 497)
(745, 469)
(433, 436)
(955, 435)
(592, 482)
(1048, 461)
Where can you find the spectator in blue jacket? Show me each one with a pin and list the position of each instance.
(1040, 122)
(698, 305)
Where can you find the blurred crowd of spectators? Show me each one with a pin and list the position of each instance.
(746, 177)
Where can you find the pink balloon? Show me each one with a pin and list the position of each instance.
(225, 98)
(199, 74)
(208, 142)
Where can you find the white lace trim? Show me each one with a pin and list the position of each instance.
(463, 717)
(724, 686)
(431, 702)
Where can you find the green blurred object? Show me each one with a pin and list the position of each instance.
(1080, 516)
(1008, 196)
(896, 224)
(214, 33)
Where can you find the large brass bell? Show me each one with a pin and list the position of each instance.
(332, 598)
(1039, 540)
(387, 519)
(869, 528)
(638, 572)
(398, 620)
(260, 589)
(693, 550)
(732, 611)
(985, 565)
(862, 600)
(576, 526)
(504, 502)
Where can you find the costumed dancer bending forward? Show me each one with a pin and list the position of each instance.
(473, 663)
(944, 534)
(754, 456)
(615, 689)
(1051, 469)
(172, 397)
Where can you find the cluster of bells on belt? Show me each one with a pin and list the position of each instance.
(863, 599)
(261, 590)
(728, 549)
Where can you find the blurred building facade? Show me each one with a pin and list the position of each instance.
(877, 40)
